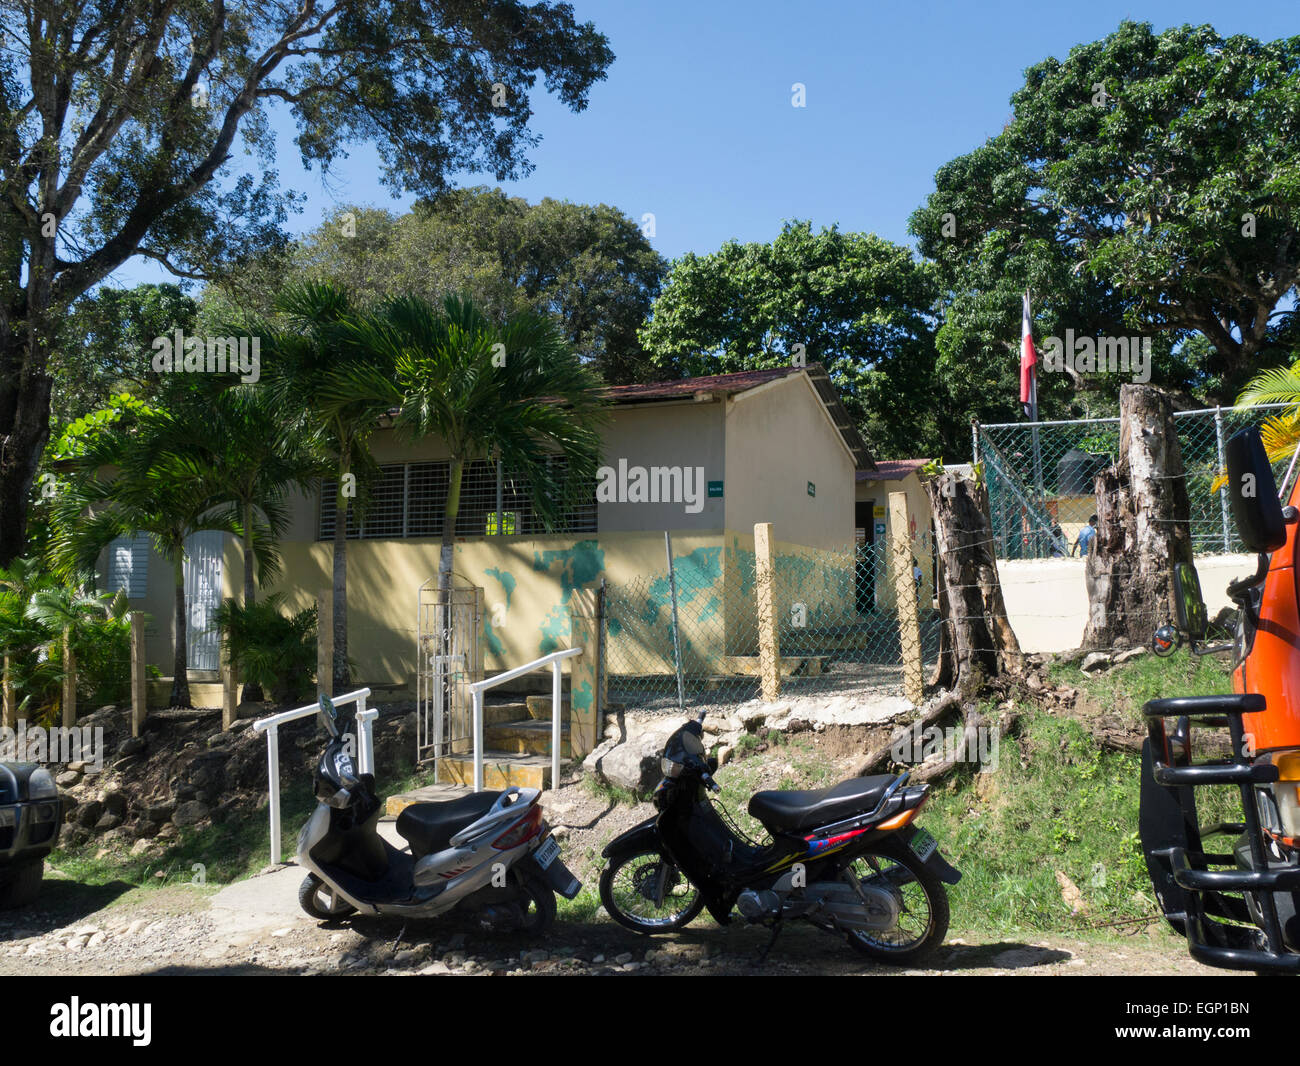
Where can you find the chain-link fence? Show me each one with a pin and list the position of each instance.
(1040, 477)
(837, 623)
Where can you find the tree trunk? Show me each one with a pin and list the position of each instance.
(449, 515)
(341, 679)
(180, 696)
(24, 428)
(251, 692)
(976, 641)
(1143, 528)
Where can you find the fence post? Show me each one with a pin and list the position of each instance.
(585, 704)
(69, 680)
(325, 642)
(909, 628)
(769, 651)
(7, 711)
(139, 675)
(1223, 492)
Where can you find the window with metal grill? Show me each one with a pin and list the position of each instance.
(408, 500)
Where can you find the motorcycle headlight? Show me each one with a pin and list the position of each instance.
(41, 786)
(670, 768)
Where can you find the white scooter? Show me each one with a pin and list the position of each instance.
(489, 854)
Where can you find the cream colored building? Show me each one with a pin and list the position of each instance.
(719, 453)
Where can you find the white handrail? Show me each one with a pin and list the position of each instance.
(271, 726)
(479, 687)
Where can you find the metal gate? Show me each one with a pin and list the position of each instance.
(202, 570)
(449, 652)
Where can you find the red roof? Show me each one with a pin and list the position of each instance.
(667, 390)
(891, 469)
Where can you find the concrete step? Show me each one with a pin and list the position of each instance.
(501, 769)
(426, 794)
(504, 711)
(540, 707)
(531, 736)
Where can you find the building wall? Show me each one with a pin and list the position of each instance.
(779, 438)
(919, 519)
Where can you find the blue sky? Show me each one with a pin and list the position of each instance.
(694, 123)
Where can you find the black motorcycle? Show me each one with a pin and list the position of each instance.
(849, 859)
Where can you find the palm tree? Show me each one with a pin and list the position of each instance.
(1280, 433)
(304, 358)
(130, 479)
(513, 392)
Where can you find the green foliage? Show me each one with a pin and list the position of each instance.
(854, 302)
(1167, 204)
(270, 649)
(588, 266)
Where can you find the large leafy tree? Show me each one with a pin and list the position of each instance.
(851, 301)
(589, 266)
(119, 121)
(1147, 183)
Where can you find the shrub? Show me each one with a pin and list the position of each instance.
(270, 649)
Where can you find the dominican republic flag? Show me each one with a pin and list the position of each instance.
(1028, 364)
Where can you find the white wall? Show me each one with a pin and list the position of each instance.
(1047, 601)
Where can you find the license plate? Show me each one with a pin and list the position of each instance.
(923, 845)
(546, 853)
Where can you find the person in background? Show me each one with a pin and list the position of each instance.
(1086, 536)
(1059, 543)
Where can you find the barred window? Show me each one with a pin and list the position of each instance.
(409, 499)
(128, 565)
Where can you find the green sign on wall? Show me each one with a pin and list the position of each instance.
(812, 489)
(715, 489)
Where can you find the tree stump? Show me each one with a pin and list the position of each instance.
(976, 641)
(1143, 526)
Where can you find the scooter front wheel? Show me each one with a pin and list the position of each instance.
(648, 894)
(321, 901)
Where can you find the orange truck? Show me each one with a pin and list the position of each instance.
(1233, 888)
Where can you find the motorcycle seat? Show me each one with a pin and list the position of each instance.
(429, 827)
(791, 811)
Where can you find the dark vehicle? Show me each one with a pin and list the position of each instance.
(1238, 903)
(848, 859)
(29, 829)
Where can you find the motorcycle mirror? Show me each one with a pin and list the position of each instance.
(1255, 506)
(328, 715)
(1166, 641)
(1192, 615)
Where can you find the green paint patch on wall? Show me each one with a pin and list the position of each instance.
(507, 580)
(579, 566)
(493, 641)
(583, 698)
(696, 574)
(555, 629)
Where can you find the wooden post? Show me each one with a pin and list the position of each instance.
(8, 713)
(585, 703)
(325, 642)
(69, 680)
(769, 651)
(139, 675)
(909, 626)
(229, 690)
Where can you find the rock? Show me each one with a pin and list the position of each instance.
(146, 830)
(1034, 683)
(115, 802)
(160, 811)
(141, 846)
(219, 740)
(132, 746)
(752, 718)
(250, 709)
(77, 766)
(725, 752)
(108, 821)
(1132, 653)
(67, 779)
(190, 813)
(89, 813)
(624, 959)
(634, 764)
(1093, 661)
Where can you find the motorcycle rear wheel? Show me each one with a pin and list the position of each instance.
(537, 902)
(625, 884)
(923, 921)
(321, 901)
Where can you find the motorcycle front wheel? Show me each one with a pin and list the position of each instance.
(321, 901)
(922, 909)
(648, 894)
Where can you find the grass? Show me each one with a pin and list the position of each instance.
(1057, 803)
